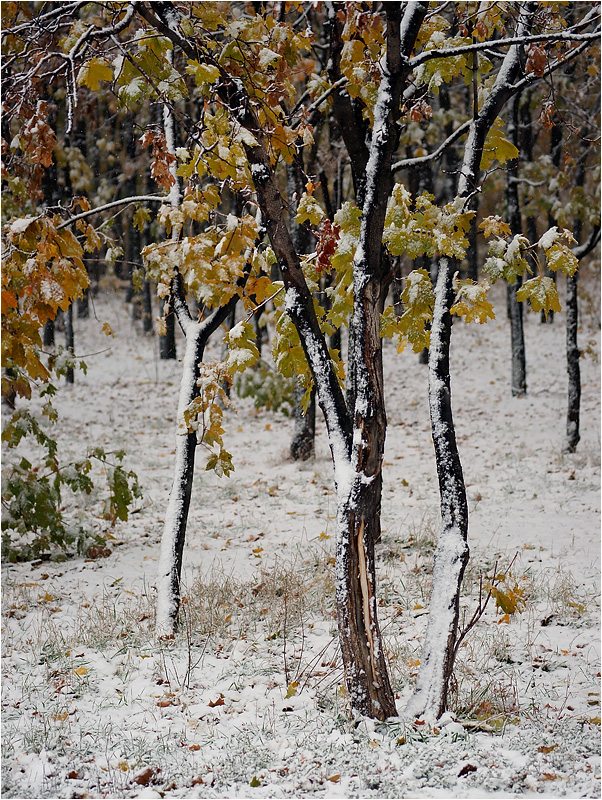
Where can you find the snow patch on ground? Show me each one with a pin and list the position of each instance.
(92, 703)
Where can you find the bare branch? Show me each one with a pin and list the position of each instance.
(412, 162)
(143, 198)
(428, 55)
(584, 249)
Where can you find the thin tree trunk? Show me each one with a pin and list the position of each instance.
(555, 152)
(304, 434)
(451, 556)
(69, 342)
(174, 530)
(167, 346)
(436, 665)
(515, 309)
(573, 367)
(49, 333)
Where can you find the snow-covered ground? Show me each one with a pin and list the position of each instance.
(248, 700)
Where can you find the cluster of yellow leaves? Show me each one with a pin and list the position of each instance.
(506, 259)
(497, 147)
(362, 50)
(425, 229)
(220, 153)
(413, 326)
(210, 262)
(42, 272)
(204, 415)
(471, 301)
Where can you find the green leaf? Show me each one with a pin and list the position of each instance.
(542, 294)
(94, 71)
(254, 782)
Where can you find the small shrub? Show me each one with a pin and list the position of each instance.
(33, 518)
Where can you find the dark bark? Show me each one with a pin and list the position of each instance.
(49, 333)
(167, 343)
(555, 152)
(515, 309)
(69, 342)
(303, 442)
(573, 367)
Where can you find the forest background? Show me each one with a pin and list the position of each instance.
(312, 181)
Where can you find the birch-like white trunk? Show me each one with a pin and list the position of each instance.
(174, 528)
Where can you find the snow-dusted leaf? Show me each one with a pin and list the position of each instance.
(541, 293)
(471, 301)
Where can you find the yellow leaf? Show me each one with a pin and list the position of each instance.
(495, 226)
(106, 329)
(497, 147)
(334, 778)
(93, 72)
(292, 689)
(80, 670)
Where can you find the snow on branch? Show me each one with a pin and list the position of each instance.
(442, 52)
(412, 162)
(143, 198)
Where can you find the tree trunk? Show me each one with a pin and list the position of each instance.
(451, 556)
(69, 341)
(49, 333)
(304, 434)
(167, 342)
(430, 695)
(556, 153)
(515, 309)
(174, 530)
(176, 517)
(573, 366)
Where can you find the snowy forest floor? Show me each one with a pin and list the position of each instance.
(247, 701)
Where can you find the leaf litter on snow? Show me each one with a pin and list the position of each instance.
(248, 700)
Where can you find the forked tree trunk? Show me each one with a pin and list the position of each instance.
(174, 530)
(356, 435)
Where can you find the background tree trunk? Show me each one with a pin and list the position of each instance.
(515, 309)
